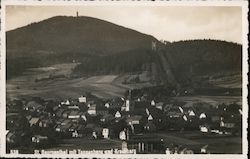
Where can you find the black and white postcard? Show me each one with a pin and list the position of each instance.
(163, 79)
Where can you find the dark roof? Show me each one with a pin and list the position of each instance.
(134, 117)
(141, 105)
(101, 108)
(156, 113)
(33, 104)
(230, 119)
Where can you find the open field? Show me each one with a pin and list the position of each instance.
(195, 139)
(61, 88)
(103, 86)
(39, 82)
(88, 144)
(233, 81)
(216, 143)
(209, 100)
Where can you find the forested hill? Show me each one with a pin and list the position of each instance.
(74, 35)
(105, 48)
(177, 62)
(63, 39)
(203, 57)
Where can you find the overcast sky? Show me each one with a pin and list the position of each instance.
(169, 23)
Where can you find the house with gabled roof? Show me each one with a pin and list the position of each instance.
(205, 128)
(150, 118)
(92, 109)
(82, 99)
(67, 102)
(203, 116)
(105, 133)
(118, 114)
(152, 103)
(191, 113)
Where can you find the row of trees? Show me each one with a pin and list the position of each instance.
(131, 61)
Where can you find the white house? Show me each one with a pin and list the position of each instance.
(150, 117)
(107, 105)
(66, 102)
(118, 114)
(122, 135)
(204, 149)
(105, 133)
(38, 138)
(191, 113)
(82, 99)
(167, 151)
(92, 109)
(202, 116)
(204, 128)
(75, 134)
(153, 103)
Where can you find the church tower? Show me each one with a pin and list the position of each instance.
(127, 103)
(77, 14)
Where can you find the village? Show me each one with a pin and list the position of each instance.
(131, 122)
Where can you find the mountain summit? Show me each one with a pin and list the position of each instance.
(83, 35)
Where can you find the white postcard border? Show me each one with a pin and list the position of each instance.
(243, 4)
